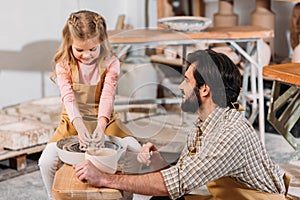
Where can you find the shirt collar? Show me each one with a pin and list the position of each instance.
(211, 120)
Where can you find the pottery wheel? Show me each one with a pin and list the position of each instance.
(73, 147)
(71, 144)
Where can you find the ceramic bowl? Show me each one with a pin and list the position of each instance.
(69, 157)
(105, 159)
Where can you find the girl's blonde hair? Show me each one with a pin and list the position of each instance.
(82, 25)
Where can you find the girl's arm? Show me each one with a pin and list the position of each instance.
(109, 89)
(106, 100)
(64, 82)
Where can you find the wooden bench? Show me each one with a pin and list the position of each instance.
(67, 186)
(287, 101)
(17, 162)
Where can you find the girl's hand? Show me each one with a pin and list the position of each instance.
(98, 137)
(84, 136)
(144, 156)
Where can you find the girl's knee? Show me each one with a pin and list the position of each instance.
(49, 156)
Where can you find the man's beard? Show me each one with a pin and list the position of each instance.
(192, 102)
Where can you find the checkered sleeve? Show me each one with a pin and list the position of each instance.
(172, 181)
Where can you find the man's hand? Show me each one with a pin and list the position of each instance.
(84, 136)
(150, 156)
(86, 171)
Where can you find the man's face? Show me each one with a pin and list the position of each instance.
(191, 97)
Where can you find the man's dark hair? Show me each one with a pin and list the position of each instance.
(219, 73)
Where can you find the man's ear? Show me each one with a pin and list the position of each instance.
(204, 90)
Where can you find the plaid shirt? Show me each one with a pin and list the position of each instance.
(225, 144)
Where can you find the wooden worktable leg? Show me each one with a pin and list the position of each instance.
(289, 105)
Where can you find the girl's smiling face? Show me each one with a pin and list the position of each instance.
(87, 51)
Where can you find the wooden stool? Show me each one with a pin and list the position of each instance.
(288, 75)
(67, 186)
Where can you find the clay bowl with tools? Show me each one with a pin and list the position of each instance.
(185, 23)
(70, 153)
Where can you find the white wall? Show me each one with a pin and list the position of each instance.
(34, 23)
(25, 23)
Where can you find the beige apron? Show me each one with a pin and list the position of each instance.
(87, 98)
(227, 188)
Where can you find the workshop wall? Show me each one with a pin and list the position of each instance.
(31, 31)
(30, 35)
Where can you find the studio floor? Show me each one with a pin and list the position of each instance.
(30, 186)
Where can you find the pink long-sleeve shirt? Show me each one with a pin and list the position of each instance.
(89, 74)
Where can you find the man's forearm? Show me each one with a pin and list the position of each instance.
(148, 184)
(151, 184)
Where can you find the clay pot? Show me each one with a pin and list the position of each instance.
(263, 16)
(225, 16)
(105, 159)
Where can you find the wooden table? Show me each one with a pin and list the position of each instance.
(161, 36)
(288, 102)
(67, 186)
(233, 36)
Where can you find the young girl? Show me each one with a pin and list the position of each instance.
(87, 74)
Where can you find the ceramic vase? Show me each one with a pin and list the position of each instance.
(263, 16)
(225, 16)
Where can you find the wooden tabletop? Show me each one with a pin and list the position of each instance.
(67, 186)
(287, 73)
(212, 33)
